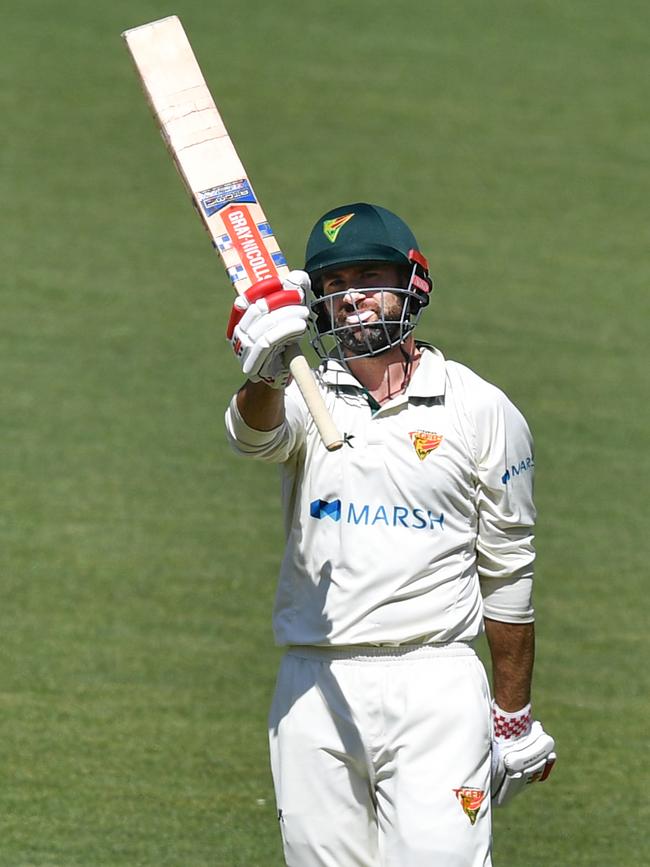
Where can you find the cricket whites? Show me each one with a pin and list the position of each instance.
(210, 167)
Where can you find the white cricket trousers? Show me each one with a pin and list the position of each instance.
(381, 757)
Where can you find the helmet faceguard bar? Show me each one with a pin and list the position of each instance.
(359, 339)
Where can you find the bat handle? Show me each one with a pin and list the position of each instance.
(304, 376)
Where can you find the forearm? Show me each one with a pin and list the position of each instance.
(512, 648)
(261, 407)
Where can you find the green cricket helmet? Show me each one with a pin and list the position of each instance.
(352, 234)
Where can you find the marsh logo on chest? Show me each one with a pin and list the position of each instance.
(425, 442)
(367, 515)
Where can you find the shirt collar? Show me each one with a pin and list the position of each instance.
(428, 380)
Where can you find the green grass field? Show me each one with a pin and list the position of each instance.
(139, 556)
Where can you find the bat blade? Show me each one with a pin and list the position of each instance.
(203, 151)
(213, 174)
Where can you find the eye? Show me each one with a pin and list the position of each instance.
(333, 284)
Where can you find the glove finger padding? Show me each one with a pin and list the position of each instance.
(512, 784)
(519, 762)
(261, 324)
(265, 319)
(297, 280)
(269, 333)
(250, 296)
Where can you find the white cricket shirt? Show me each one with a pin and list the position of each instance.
(427, 508)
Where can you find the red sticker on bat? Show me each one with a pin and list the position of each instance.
(246, 239)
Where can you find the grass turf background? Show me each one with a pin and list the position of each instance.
(136, 661)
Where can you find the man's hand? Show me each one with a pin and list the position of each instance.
(522, 753)
(265, 319)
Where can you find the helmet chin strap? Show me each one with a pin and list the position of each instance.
(408, 363)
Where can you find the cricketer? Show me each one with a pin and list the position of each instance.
(388, 745)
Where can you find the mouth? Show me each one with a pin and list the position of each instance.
(361, 317)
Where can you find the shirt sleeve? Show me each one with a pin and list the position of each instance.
(506, 511)
(273, 446)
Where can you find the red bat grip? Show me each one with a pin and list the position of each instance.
(262, 288)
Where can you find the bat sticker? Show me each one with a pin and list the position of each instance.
(216, 198)
(223, 243)
(247, 241)
(236, 273)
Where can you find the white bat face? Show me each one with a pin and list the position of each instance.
(210, 167)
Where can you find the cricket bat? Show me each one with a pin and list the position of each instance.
(218, 183)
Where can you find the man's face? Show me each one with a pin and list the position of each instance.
(366, 314)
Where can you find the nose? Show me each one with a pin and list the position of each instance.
(353, 295)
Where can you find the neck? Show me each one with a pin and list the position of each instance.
(387, 375)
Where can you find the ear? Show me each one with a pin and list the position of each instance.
(403, 276)
(317, 285)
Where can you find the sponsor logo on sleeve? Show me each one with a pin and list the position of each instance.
(524, 466)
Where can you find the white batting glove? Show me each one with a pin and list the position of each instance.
(522, 753)
(265, 319)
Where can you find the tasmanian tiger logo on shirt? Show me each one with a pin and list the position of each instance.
(424, 442)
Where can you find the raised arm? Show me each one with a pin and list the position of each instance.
(261, 406)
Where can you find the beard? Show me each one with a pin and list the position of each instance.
(372, 338)
(361, 338)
